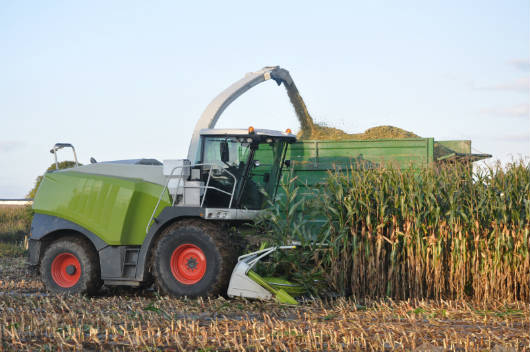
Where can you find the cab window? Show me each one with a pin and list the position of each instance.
(237, 152)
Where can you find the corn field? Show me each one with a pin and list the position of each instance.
(442, 232)
(15, 222)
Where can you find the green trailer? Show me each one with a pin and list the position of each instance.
(312, 159)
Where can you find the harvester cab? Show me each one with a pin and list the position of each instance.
(132, 222)
(233, 169)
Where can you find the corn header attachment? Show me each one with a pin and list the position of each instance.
(245, 282)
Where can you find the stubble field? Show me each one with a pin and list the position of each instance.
(32, 319)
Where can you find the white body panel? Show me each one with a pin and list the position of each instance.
(192, 193)
(176, 167)
(242, 286)
(149, 173)
(178, 172)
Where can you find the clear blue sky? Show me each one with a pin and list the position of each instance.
(126, 79)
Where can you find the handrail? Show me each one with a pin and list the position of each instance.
(171, 175)
(58, 146)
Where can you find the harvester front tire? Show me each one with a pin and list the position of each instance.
(70, 265)
(193, 258)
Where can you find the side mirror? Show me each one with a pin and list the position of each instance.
(223, 149)
(287, 163)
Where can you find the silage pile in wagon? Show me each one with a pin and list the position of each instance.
(309, 130)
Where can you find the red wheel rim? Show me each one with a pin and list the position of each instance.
(66, 270)
(188, 264)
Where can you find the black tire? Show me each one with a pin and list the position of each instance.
(88, 282)
(217, 246)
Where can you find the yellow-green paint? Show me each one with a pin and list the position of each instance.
(115, 209)
(279, 294)
(286, 285)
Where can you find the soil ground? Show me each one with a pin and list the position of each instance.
(130, 319)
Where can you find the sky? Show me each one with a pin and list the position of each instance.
(129, 79)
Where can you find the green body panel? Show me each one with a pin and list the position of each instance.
(311, 160)
(113, 208)
(459, 146)
(280, 295)
(286, 285)
(324, 155)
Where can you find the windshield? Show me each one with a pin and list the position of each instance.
(255, 166)
(237, 152)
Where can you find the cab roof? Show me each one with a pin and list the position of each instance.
(244, 132)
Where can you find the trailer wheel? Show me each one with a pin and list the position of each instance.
(70, 265)
(193, 258)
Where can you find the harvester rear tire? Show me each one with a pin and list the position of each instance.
(211, 251)
(70, 265)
